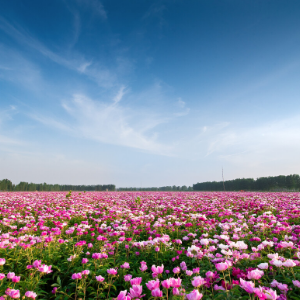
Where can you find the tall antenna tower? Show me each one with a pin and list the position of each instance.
(223, 179)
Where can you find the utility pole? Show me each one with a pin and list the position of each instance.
(223, 179)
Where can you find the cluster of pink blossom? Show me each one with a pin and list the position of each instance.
(175, 245)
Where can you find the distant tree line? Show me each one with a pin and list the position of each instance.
(163, 188)
(275, 183)
(6, 185)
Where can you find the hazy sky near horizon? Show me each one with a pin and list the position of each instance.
(149, 93)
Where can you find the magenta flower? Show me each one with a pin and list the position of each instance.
(2, 276)
(76, 276)
(96, 255)
(84, 260)
(176, 270)
(37, 263)
(194, 295)
(16, 279)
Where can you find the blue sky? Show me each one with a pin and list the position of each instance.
(149, 93)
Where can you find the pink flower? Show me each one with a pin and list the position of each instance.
(248, 286)
(222, 266)
(196, 270)
(143, 268)
(175, 282)
(183, 266)
(296, 283)
(158, 269)
(85, 272)
(100, 278)
(209, 274)
(84, 260)
(189, 273)
(136, 281)
(289, 263)
(263, 266)
(2, 261)
(255, 274)
(96, 255)
(2, 276)
(166, 283)
(176, 270)
(10, 275)
(152, 284)
(198, 281)
(218, 288)
(122, 296)
(135, 291)
(30, 294)
(16, 279)
(76, 276)
(112, 271)
(175, 291)
(14, 293)
(194, 295)
(37, 263)
(45, 269)
(157, 293)
(125, 265)
(127, 277)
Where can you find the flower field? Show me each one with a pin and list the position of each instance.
(149, 245)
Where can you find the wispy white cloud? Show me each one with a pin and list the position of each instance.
(110, 123)
(99, 73)
(18, 70)
(182, 106)
(95, 6)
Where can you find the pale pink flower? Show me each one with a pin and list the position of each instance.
(136, 281)
(222, 266)
(158, 269)
(166, 283)
(100, 278)
(176, 270)
(45, 269)
(127, 277)
(125, 265)
(255, 274)
(263, 266)
(136, 291)
(248, 286)
(198, 281)
(289, 263)
(194, 295)
(112, 271)
(296, 283)
(157, 293)
(152, 284)
(14, 293)
(30, 294)
(189, 273)
(10, 275)
(2, 261)
(122, 296)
